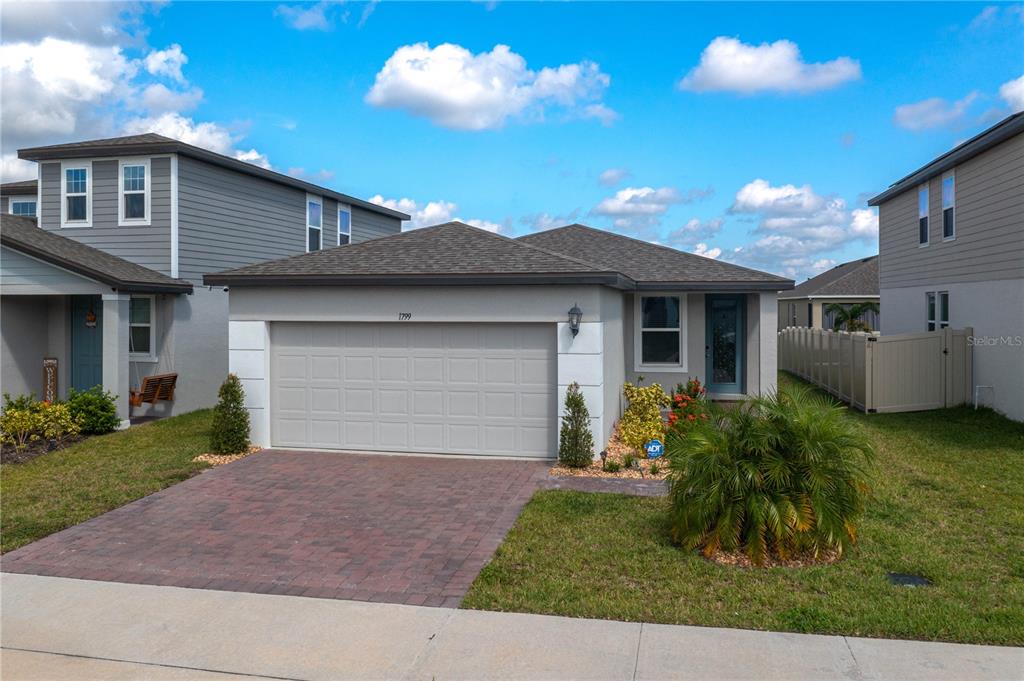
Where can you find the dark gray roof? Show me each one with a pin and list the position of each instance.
(458, 254)
(1000, 132)
(21, 234)
(152, 143)
(854, 278)
(18, 188)
(650, 265)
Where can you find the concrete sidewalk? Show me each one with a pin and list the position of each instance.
(56, 628)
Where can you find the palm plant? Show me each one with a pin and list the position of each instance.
(785, 474)
(849, 317)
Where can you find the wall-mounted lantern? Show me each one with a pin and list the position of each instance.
(575, 317)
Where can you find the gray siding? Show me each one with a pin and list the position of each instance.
(20, 274)
(989, 242)
(369, 225)
(146, 245)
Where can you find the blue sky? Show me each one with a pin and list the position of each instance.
(750, 132)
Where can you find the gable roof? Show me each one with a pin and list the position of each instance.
(854, 278)
(21, 234)
(152, 143)
(1000, 132)
(22, 188)
(650, 265)
(458, 254)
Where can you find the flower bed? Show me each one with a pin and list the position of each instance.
(618, 453)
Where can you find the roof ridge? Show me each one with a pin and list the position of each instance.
(857, 266)
(519, 242)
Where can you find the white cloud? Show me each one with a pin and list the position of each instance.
(985, 18)
(539, 222)
(434, 213)
(307, 17)
(702, 249)
(728, 65)
(454, 88)
(613, 176)
(760, 196)
(694, 232)
(207, 135)
(93, 23)
(321, 176)
(934, 112)
(167, 63)
(13, 169)
(637, 207)
(1012, 92)
(254, 157)
(864, 223)
(158, 98)
(368, 9)
(486, 224)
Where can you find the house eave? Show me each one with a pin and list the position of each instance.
(825, 296)
(613, 280)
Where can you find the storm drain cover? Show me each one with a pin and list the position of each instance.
(904, 579)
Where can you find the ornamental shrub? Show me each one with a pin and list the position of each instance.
(230, 419)
(20, 427)
(56, 422)
(94, 410)
(575, 441)
(688, 405)
(785, 473)
(641, 421)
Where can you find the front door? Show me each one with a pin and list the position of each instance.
(86, 342)
(724, 341)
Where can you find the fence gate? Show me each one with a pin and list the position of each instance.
(906, 372)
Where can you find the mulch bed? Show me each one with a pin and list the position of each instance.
(223, 459)
(616, 451)
(741, 560)
(8, 454)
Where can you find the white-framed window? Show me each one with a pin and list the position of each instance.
(938, 309)
(18, 205)
(76, 194)
(314, 222)
(922, 215)
(344, 225)
(949, 206)
(792, 314)
(133, 192)
(142, 328)
(660, 336)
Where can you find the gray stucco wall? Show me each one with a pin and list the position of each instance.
(694, 345)
(146, 245)
(23, 344)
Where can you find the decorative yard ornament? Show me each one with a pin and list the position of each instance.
(90, 319)
(575, 317)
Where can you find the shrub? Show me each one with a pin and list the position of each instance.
(612, 466)
(654, 469)
(22, 402)
(628, 459)
(641, 422)
(783, 474)
(56, 422)
(20, 427)
(575, 441)
(94, 410)
(230, 419)
(688, 405)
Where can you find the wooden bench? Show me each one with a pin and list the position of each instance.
(153, 389)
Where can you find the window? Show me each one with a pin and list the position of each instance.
(922, 215)
(660, 332)
(76, 204)
(949, 206)
(141, 336)
(792, 314)
(314, 221)
(938, 310)
(26, 207)
(134, 192)
(344, 226)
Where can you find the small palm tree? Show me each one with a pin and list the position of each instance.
(849, 318)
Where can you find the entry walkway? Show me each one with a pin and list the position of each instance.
(56, 627)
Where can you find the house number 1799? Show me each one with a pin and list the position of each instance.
(404, 316)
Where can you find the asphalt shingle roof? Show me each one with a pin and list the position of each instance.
(854, 278)
(21, 234)
(18, 188)
(458, 253)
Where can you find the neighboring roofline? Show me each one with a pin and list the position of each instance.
(823, 297)
(167, 145)
(713, 286)
(95, 275)
(1000, 132)
(20, 188)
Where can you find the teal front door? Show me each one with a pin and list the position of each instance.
(725, 317)
(86, 342)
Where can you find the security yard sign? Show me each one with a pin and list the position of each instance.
(654, 449)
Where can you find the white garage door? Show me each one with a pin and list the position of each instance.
(404, 387)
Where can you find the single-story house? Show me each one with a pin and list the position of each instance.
(91, 316)
(452, 339)
(845, 284)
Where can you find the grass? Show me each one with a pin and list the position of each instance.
(66, 487)
(948, 504)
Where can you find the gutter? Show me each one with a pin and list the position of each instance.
(824, 297)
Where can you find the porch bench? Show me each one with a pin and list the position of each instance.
(153, 389)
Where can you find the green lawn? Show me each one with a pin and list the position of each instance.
(948, 504)
(63, 488)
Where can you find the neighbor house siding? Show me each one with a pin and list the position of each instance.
(146, 245)
(369, 225)
(989, 243)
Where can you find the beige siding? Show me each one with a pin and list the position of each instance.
(989, 243)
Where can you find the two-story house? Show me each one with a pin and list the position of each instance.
(951, 253)
(19, 198)
(105, 284)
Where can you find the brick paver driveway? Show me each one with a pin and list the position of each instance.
(382, 528)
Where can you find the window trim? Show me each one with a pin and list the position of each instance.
(150, 356)
(76, 165)
(638, 364)
(123, 221)
(936, 322)
(951, 174)
(927, 215)
(11, 200)
(319, 200)
(342, 208)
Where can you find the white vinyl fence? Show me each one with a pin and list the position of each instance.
(906, 372)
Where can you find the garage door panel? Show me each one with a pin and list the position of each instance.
(458, 388)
